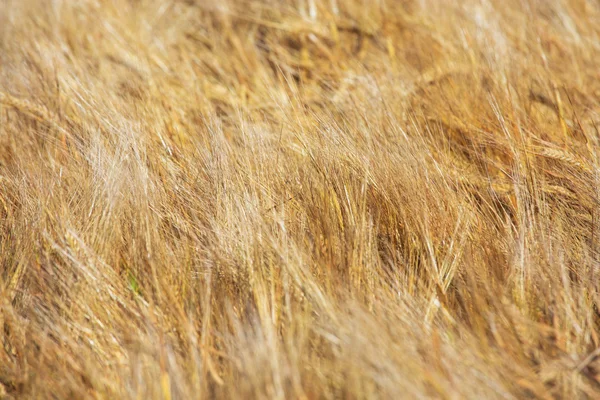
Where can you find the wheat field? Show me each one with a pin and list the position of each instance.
(299, 199)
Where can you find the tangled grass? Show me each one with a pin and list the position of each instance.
(299, 199)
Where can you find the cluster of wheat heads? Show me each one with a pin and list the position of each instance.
(299, 199)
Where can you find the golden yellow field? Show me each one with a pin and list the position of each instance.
(299, 199)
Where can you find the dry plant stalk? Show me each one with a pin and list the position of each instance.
(299, 199)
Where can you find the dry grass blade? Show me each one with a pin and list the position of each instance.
(239, 199)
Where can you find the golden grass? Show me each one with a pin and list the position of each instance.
(299, 199)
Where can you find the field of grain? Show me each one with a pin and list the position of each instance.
(299, 199)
